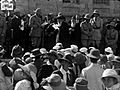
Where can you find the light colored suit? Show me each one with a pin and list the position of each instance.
(93, 73)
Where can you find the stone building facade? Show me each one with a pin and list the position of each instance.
(107, 8)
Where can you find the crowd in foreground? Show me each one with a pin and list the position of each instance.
(60, 69)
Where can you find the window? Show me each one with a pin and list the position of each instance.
(71, 1)
(106, 2)
(66, 1)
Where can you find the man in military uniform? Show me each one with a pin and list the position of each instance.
(36, 28)
(86, 30)
(111, 37)
(97, 24)
(2, 28)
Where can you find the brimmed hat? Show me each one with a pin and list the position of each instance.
(55, 82)
(26, 55)
(43, 51)
(110, 73)
(83, 50)
(38, 10)
(14, 63)
(95, 11)
(94, 53)
(64, 60)
(31, 71)
(81, 83)
(28, 68)
(74, 48)
(36, 52)
(109, 50)
(56, 48)
(17, 50)
(113, 24)
(60, 17)
(29, 60)
(59, 44)
(87, 16)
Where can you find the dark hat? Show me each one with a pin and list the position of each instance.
(79, 58)
(81, 83)
(69, 57)
(64, 60)
(36, 52)
(55, 82)
(26, 55)
(104, 59)
(94, 53)
(14, 63)
(17, 50)
(29, 60)
(61, 17)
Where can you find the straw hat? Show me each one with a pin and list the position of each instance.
(94, 53)
(109, 50)
(55, 82)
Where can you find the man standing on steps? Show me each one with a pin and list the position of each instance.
(36, 28)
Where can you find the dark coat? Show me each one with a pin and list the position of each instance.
(17, 33)
(50, 37)
(64, 36)
(45, 71)
(71, 81)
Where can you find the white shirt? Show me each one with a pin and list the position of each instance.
(93, 73)
(64, 74)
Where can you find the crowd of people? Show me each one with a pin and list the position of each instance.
(36, 31)
(50, 53)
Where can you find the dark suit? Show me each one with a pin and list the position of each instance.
(45, 71)
(50, 37)
(64, 36)
(16, 22)
(71, 79)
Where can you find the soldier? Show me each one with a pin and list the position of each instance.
(36, 28)
(111, 37)
(97, 25)
(2, 28)
(86, 30)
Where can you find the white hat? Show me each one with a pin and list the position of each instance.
(109, 50)
(83, 49)
(74, 48)
(110, 73)
(43, 51)
(56, 47)
(59, 44)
